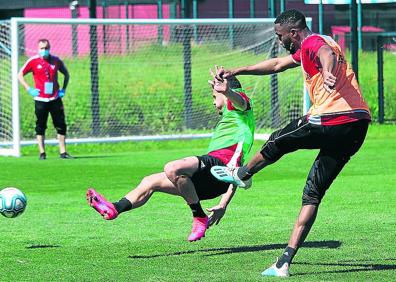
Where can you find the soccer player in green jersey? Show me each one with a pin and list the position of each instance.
(190, 177)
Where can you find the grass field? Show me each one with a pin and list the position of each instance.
(60, 238)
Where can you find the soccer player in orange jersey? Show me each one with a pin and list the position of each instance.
(336, 123)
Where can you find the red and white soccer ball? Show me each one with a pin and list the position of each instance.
(12, 202)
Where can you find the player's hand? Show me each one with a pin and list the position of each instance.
(220, 86)
(34, 92)
(61, 93)
(216, 214)
(222, 73)
(329, 81)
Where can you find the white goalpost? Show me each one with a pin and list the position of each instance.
(145, 79)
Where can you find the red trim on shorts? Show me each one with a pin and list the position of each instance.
(342, 118)
(226, 154)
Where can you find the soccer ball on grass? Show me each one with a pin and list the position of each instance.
(12, 202)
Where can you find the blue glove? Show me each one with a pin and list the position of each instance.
(61, 93)
(34, 92)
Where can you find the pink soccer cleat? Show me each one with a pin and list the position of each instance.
(200, 224)
(101, 205)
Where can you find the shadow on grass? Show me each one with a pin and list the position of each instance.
(93, 157)
(355, 266)
(42, 246)
(242, 249)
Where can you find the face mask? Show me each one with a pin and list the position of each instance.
(44, 53)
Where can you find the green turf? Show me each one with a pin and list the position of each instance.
(60, 238)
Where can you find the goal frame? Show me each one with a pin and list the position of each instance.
(15, 22)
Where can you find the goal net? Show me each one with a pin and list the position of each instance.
(7, 131)
(142, 79)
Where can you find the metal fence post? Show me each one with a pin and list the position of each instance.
(354, 38)
(127, 27)
(380, 73)
(320, 17)
(251, 9)
(231, 27)
(195, 16)
(188, 103)
(74, 12)
(275, 114)
(94, 67)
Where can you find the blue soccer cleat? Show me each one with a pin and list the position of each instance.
(230, 175)
(278, 272)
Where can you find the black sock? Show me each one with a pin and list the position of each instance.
(287, 256)
(244, 173)
(123, 205)
(197, 210)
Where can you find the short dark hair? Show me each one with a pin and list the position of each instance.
(292, 18)
(233, 82)
(44, 40)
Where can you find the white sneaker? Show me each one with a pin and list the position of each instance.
(230, 175)
(278, 272)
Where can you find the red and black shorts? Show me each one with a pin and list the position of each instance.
(206, 185)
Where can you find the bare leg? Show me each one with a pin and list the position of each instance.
(162, 182)
(175, 181)
(158, 182)
(62, 143)
(179, 173)
(257, 163)
(303, 225)
(40, 143)
(134, 199)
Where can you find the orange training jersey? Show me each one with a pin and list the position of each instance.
(345, 104)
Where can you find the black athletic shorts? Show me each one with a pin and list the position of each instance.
(337, 144)
(55, 108)
(206, 185)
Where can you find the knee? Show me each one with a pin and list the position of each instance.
(61, 131)
(151, 182)
(146, 180)
(172, 171)
(61, 128)
(312, 194)
(40, 129)
(308, 200)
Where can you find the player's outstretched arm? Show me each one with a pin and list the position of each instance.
(217, 212)
(266, 67)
